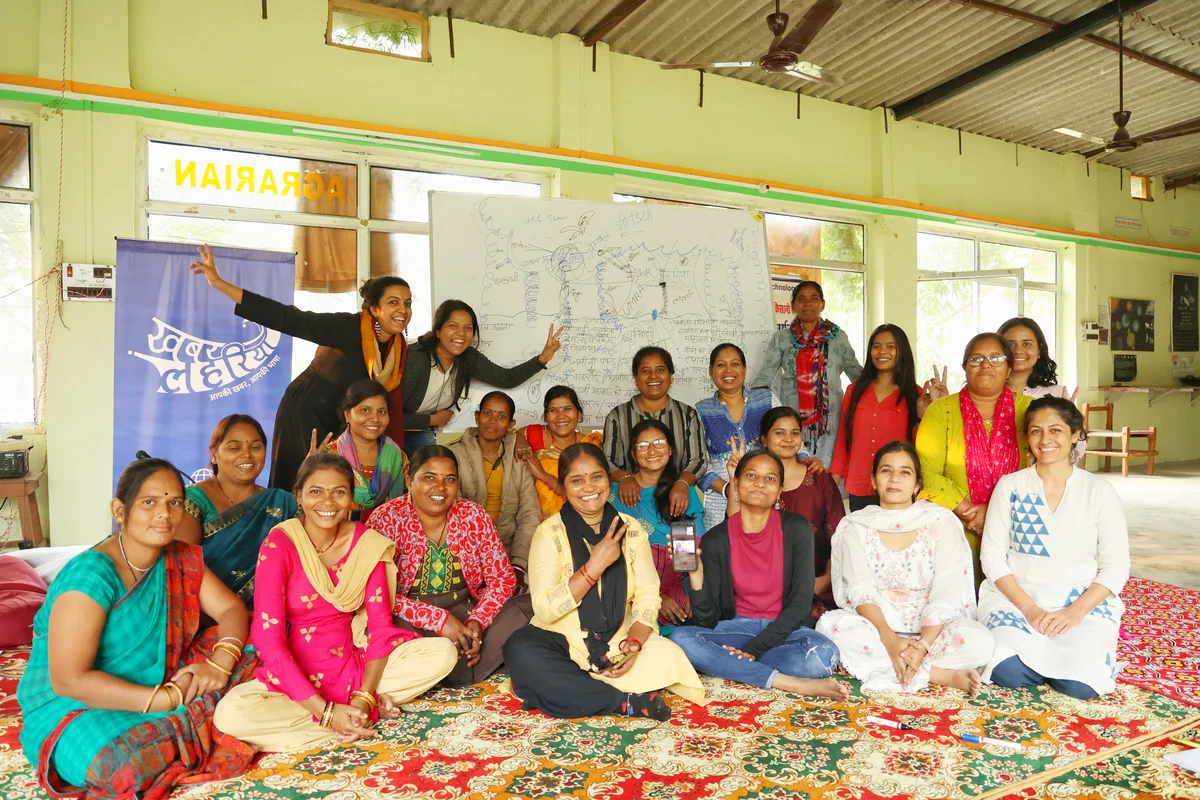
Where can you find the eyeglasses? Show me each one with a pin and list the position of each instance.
(995, 360)
(658, 444)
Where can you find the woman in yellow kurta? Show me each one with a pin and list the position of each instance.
(969, 440)
(593, 647)
(540, 446)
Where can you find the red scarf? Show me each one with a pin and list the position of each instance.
(989, 459)
(812, 383)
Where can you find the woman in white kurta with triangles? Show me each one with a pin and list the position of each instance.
(1055, 552)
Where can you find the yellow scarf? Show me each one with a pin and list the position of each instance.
(349, 595)
(386, 372)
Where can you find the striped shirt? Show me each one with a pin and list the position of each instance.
(687, 435)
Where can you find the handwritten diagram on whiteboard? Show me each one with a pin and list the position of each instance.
(618, 276)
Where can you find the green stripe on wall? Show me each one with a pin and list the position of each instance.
(536, 160)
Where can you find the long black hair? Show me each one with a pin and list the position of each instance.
(670, 473)
(1045, 370)
(428, 342)
(904, 374)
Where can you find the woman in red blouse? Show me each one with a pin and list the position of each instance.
(455, 579)
(888, 413)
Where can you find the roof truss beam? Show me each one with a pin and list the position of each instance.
(1078, 28)
(614, 18)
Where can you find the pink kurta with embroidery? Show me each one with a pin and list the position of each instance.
(305, 643)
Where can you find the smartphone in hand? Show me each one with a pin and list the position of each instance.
(683, 546)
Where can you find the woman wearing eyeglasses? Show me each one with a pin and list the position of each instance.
(656, 472)
(969, 440)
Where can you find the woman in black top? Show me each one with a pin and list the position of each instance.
(353, 347)
(752, 593)
(441, 367)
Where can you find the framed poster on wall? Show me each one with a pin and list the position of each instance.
(1185, 317)
(1132, 324)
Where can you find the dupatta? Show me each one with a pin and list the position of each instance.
(989, 458)
(181, 747)
(388, 479)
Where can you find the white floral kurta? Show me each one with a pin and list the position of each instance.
(1055, 556)
(930, 582)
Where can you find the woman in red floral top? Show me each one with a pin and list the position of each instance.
(455, 579)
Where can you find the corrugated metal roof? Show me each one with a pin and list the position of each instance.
(890, 50)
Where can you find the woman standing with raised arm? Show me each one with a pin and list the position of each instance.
(444, 361)
(353, 346)
(1056, 555)
(813, 354)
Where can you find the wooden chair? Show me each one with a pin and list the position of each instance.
(1108, 434)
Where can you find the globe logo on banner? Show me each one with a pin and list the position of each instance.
(183, 360)
(187, 364)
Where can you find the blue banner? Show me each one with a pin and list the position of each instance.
(184, 360)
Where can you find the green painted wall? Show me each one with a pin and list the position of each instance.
(540, 93)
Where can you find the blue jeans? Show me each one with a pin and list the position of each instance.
(1014, 673)
(805, 653)
(415, 440)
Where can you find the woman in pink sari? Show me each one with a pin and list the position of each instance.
(332, 661)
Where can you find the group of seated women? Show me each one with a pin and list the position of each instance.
(549, 550)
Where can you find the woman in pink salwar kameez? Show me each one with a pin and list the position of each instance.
(332, 661)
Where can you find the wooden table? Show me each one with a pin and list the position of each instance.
(1114, 393)
(24, 490)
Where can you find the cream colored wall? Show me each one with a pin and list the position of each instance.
(541, 93)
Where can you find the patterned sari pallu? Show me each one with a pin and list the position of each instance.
(181, 747)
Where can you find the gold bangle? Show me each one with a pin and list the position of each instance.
(150, 702)
(228, 649)
(223, 639)
(167, 687)
(226, 672)
(327, 716)
(359, 694)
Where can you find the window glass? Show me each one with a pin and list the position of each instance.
(1037, 265)
(403, 195)
(211, 176)
(406, 255)
(656, 201)
(801, 237)
(945, 253)
(384, 30)
(1040, 306)
(325, 279)
(949, 313)
(14, 156)
(16, 314)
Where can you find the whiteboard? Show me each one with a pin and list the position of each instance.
(618, 276)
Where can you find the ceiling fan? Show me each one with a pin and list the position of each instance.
(1121, 141)
(783, 56)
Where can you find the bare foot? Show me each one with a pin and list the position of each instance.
(967, 680)
(813, 687)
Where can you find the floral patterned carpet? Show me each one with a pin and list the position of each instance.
(1162, 648)
(750, 743)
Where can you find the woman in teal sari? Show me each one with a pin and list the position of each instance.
(229, 514)
(379, 464)
(119, 693)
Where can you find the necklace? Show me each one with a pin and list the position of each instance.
(441, 534)
(225, 494)
(331, 541)
(137, 572)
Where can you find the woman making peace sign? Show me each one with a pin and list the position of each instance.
(593, 647)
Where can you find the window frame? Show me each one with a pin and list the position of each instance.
(633, 187)
(383, 12)
(29, 197)
(363, 159)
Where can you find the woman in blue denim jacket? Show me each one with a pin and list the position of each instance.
(813, 353)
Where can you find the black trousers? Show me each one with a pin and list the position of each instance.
(544, 676)
(861, 501)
